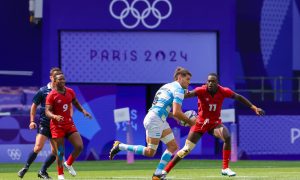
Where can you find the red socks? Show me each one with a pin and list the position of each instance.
(70, 160)
(226, 157)
(169, 166)
(60, 170)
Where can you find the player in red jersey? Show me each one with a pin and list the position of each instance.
(210, 100)
(43, 128)
(58, 109)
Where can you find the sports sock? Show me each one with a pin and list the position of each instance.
(31, 158)
(165, 158)
(226, 157)
(137, 149)
(50, 159)
(70, 160)
(60, 170)
(172, 163)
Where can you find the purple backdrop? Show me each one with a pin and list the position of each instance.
(196, 15)
(269, 135)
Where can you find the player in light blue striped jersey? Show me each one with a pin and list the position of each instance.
(169, 96)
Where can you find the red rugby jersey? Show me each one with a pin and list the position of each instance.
(209, 107)
(61, 104)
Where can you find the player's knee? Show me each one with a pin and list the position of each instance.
(37, 148)
(79, 148)
(172, 148)
(188, 147)
(168, 138)
(149, 152)
(53, 151)
(170, 142)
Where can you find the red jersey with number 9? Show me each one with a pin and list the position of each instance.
(61, 105)
(209, 107)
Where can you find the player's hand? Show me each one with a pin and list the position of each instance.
(192, 121)
(179, 122)
(186, 91)
(86, 114)
(58, 118)
(258, 111)
(32, 125)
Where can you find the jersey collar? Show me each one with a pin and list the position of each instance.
(49, 85)
(178, 84)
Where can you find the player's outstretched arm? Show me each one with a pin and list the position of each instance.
(80, 108)
(189, 94)
(242, 99)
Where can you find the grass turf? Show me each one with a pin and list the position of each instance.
(186, 169)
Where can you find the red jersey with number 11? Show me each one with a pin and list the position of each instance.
(61, 105)
(209, 107)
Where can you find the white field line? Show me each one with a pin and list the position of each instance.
(187, 178)
(175, 178)
(129, 177)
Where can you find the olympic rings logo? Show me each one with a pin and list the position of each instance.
(14, 154)
(140, 16)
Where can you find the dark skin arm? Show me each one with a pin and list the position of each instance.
(49, 111)
(237, 97)
(80, 108)
(189, 94)
(50, 115)
(243, 100)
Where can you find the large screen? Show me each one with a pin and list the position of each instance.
(136, 57)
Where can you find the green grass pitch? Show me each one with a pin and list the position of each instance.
(186, 169)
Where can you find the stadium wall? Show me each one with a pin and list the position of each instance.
(20, 47)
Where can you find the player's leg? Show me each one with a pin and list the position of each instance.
(154, 127)
(50, 158)
(39, 144)
(148, 151)
(58, 135)
(60, 149)
(76, 141)
(222, 133)
(190, 143)
(169, 140)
